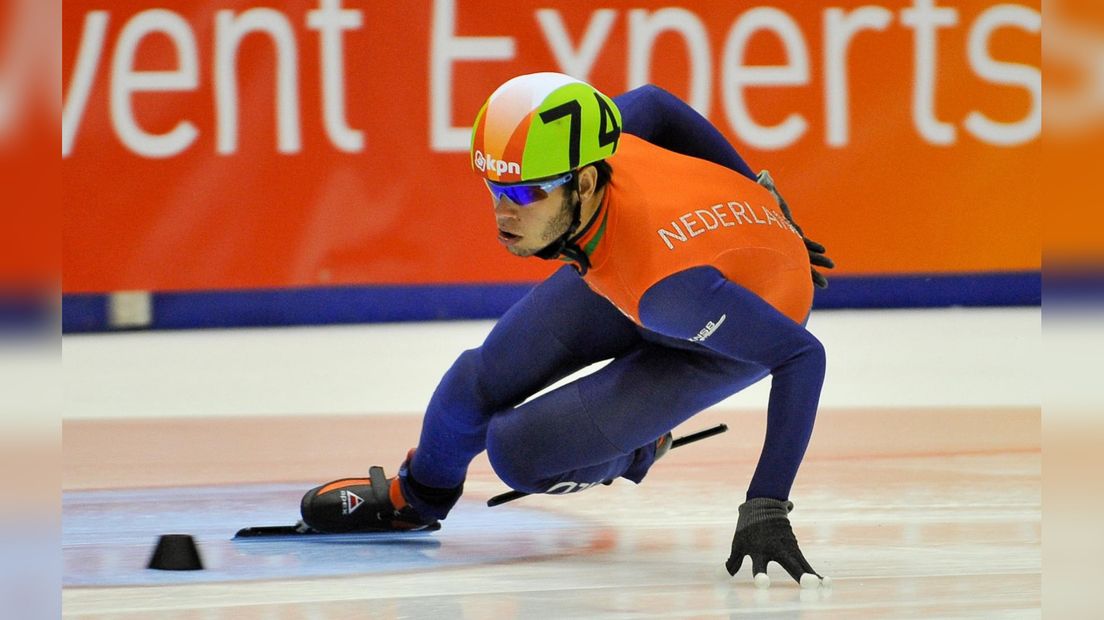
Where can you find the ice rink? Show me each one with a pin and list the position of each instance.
(920, 494)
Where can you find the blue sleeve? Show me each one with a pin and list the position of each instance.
(657, 116)
(681, 305)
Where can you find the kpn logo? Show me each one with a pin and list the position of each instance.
(486, 163)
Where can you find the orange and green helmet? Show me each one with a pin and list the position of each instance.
(541, 125)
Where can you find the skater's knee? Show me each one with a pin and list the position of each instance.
(512, 458)
(465, 372)
(460, 390)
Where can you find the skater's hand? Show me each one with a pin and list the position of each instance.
(817, 258)
(764, 533)
(817, 253)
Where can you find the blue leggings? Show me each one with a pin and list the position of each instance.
(596, 428)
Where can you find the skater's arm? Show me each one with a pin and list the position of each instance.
(683, 304)
(657, 116)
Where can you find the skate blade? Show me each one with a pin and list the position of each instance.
(301, 529)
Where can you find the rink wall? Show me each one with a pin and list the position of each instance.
(241, 163)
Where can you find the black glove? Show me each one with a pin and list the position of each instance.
(816, 250)
(763, 532)
(817, 257)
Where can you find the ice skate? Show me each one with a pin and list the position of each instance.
(373, 504)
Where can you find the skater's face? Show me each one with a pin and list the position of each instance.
(530, 216)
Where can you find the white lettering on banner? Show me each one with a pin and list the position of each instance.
(230, 29)
(576, 62)
(736, 76)
(126, 81)
(578, 56)
(1030, 78)
(925, 19)
(645, 28)
(445, 49)
(84, 74)
(330, 20)
(839, 29)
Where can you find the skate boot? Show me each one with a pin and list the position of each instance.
(373, 504)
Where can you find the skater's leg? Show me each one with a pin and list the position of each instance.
(605, 424)
(558, 328)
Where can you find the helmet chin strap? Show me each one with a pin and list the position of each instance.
(564, 247)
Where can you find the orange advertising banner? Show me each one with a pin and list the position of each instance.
(246, 144)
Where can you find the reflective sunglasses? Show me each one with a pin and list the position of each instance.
(524, 194)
